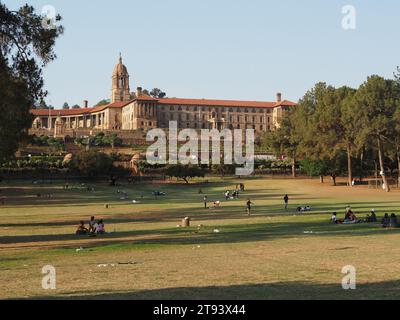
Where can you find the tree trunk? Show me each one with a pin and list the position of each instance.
(382, 166)
(361, 165)
(294, 167)
(334, 180)
(321, 179)
(349, 166)
(398, 166)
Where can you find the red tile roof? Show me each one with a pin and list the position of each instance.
(61, 112)
(145, 97)
(76, 112)
(285, 103)
(165, 101)
(224, 103)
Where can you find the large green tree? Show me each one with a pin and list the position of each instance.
(378, 100)
(334, 127)
(93, 163)
(26, 46)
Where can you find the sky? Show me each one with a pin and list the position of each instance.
(221, 49)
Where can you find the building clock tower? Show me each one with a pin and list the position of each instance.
(120, 83)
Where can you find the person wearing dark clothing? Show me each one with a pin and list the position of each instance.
(373, 218)
(286, 200)
(205, 202)
(393, 221)
(82, 230)
(248, 207)
(386, 221)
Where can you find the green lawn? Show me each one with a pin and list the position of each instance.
(275, 254)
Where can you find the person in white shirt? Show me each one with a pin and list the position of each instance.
(92, 223)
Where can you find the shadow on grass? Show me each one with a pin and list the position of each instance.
(181, 193)
(275, 291)
(239, 233)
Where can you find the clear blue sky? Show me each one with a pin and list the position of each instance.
(227, 49)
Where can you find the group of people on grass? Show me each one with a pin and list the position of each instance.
(95, 228)
(351, 218)
(230, 195)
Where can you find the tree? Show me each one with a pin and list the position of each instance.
(75, 106)
(26, 46)
(283, 141)
(378, 100)
(157, 93)
(184, 172)
(334, 126)
(395, 154)
(223, 169)
(65, 106)
(111, 140)
(102, 102)
(397, 75)
(92, 163)
(42, 105)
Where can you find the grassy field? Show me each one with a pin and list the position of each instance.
(275, 254)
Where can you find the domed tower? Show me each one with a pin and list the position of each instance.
(120, 83)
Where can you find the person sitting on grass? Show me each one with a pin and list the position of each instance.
(304, 209)
(393, 221)
(100, 229)
(373, 218)
(348, 214)
(82, 230)
(334, 218)
(92, 225)
(386, 221)
(217, 204)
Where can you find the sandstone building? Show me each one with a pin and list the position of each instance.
(137, 111)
